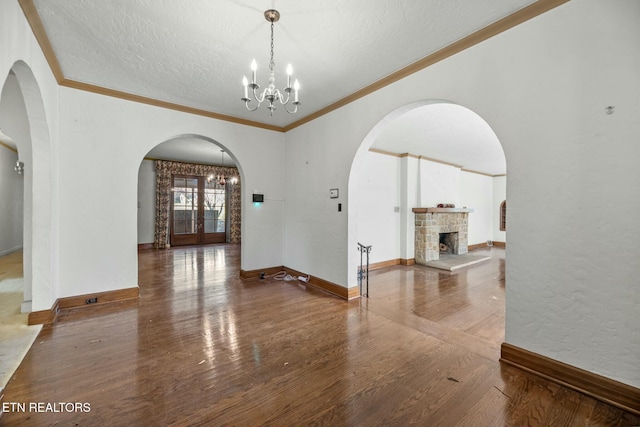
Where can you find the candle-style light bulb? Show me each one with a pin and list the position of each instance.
(245, 83)
(296, 87)
(289, 73)
(254, 67)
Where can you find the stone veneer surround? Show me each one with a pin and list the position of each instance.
(430, 222)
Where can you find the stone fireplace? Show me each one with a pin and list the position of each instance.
(431, 223)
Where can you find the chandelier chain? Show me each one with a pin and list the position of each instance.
(272, 63)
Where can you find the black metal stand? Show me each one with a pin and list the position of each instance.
(362, 272)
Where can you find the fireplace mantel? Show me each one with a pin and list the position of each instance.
(441, 210)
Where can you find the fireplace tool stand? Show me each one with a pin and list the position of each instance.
(362, 271)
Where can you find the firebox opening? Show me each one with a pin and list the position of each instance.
(448, 243)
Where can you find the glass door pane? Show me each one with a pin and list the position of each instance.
(198, 211)
(185, 211)
(214, 207)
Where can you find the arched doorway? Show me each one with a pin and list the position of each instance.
(189, 192)
(163, 178)
(424, 155)
(14, 121)
(23, 118)
(26, 236)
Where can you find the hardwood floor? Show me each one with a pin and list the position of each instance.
(16, 336)
(202, 347)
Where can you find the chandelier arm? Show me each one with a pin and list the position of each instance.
(259, 99)
(284, 100)
(279, 97)
(255, 97)
(246, 104)
(295, 107)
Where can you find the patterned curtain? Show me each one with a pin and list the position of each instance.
(164, 173)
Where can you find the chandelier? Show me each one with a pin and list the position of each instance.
(222, 180)
(271, 94)
(19, 167)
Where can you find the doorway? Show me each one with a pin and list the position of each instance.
(421, 155)
(199, 210)
(26, 216)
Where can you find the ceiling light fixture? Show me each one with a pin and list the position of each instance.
(222, 180)
(19, 167)
(270, 93)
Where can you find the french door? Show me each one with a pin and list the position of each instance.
(198, 211)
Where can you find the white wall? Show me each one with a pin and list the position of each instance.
(11, 202)
(576, 298)
(439, 183)
(543, 87)
(410, 198)
(146, 201)
(476, 192)
(378, 195)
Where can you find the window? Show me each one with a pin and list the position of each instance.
(503, 216)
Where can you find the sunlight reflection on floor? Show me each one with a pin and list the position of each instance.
(15, 336)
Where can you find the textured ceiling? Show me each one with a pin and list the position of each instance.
(194, 53)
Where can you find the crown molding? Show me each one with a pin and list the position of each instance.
(391, 153)
(164, 104)
(481, 173)
(31, 13)
(508, 22)
(8, 146)
(416, 156)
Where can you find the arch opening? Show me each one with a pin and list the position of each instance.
(423, 155)
(25, 232)
(210, 212)
(23, 118)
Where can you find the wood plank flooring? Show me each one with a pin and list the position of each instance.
(203, 348)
